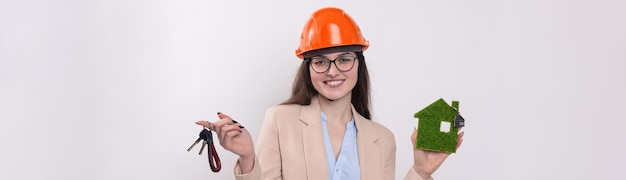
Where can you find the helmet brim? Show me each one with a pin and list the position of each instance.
(329, 50)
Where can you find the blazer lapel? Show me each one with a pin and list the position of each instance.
(314, 152)
(370, 158)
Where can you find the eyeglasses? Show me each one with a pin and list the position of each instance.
(343, 63)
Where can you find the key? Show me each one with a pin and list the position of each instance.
(202, 147)
(201, 137)
(194, 144)
(206, 137)
(204, 134)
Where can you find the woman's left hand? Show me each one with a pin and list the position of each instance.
(425, 163)
(234, 138)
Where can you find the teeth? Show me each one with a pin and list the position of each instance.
(333, 83)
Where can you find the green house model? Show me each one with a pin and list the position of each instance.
(438, 126)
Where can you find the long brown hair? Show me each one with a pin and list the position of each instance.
(303, 90)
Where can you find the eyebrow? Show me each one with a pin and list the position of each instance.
(322, 56)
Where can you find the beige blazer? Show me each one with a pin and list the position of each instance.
(290, 146)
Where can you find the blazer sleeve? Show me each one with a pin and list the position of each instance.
(390, 163)
(412, 175)
(268, 163)
(255, 174)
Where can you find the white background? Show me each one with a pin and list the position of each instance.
(110, 89)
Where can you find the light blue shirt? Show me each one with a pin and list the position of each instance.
(347, 164)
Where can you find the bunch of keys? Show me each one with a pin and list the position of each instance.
(207, 139)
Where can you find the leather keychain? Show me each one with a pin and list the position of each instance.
(207, 139)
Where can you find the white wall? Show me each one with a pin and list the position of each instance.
(110, 89)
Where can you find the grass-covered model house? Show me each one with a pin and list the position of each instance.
(438, 126)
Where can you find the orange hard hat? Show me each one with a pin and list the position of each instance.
(330, 27)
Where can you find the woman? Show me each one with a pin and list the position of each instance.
(323, 131)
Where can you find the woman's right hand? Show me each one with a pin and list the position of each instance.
(425, 163)
(234, 138)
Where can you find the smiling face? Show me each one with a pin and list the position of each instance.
(334, 83)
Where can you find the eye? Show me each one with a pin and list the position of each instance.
(346, 59)
(318, 62)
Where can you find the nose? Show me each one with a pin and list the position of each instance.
(332, 70)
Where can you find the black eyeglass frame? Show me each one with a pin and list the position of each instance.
(310, 59)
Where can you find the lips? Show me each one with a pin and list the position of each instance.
(334, 83)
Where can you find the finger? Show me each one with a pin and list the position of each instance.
(229, 136)
(232, 134)
(460, 140)
(222, 115)
(224, 120)
(206, 124)
(414, 137)
(224, 130)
